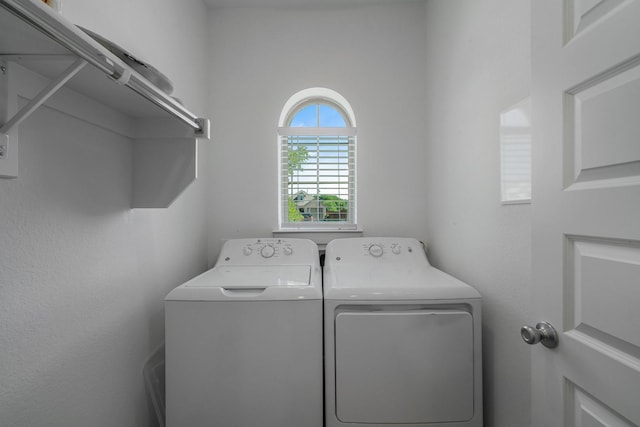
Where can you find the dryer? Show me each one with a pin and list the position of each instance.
(402, 338)
(244, 339)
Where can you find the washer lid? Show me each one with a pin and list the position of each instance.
(252, 276)
(251, 283)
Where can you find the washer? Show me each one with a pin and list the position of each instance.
(402, 339)
(244, 339)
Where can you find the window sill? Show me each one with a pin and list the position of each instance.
(320, 236)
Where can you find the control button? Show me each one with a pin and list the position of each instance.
(267, 251)
(288, 250)
(396, 249)
(375, 250)
(247, 250)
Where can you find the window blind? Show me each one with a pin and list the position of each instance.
(318, 175)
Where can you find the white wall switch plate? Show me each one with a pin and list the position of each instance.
(9, 155)
(8, 141)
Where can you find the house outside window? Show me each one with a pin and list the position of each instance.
(317, 162)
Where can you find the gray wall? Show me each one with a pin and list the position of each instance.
(372, 55)
(427, 81)
(82, 276)
(478, 56)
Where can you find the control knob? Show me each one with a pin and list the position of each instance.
(267, 251)
(375, 250)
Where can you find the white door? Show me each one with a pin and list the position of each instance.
(586, 211)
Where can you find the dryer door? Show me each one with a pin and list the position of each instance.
(404, 366)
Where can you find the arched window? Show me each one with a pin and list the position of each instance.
(317, 161)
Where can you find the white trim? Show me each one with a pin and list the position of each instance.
(284, 131)
(309, 131)
(317, 226)
(516, 202)
(316, 92)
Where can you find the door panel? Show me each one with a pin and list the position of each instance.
(411, 366)
(603, 278)
(587, 411)
(586, 211)
(602, 128)
(584, 14)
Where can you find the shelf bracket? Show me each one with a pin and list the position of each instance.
(204, 131)
(42, 97)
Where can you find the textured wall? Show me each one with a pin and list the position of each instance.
(82, 277)
(372, 55)
(479, 56)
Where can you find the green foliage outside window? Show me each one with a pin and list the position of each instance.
(294, 214)
(295, 159)
(334, 203)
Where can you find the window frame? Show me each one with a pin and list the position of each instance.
(297, 102)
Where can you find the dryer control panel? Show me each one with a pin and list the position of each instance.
(389, 247)
(381, 249)
(386, 268)
(269, 251)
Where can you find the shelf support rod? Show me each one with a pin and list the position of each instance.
(41, 17)
(44, 94)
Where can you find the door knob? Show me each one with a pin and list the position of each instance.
(543, 333)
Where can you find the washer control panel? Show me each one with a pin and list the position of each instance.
(268, 248)
(269, 251)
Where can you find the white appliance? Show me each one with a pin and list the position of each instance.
(244, 339)
(402, 339)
